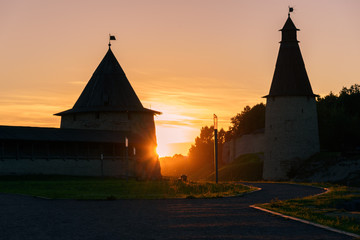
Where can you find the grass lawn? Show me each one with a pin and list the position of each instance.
(247, 167)
(337, 208)
(67, 187)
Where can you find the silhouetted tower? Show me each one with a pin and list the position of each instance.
(291, 126)
(108, 102)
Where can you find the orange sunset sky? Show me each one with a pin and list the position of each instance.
(185, 58)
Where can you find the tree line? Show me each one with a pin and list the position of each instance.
(338, 120)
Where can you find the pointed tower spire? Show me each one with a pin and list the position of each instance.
(290, 77)
(108, 90)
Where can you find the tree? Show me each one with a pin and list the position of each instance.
(339, 118)
(174, 166)
(201, 153)
(249, 120)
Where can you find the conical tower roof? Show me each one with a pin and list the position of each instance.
(290, 77)
(108, 90)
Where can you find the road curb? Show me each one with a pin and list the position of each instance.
(246, 193)
(306, 222)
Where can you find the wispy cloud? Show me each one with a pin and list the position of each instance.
(180, 98)
(31, 109)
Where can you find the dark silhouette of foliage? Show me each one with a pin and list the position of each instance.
(339, 120)
(246, 122)
(201, 153)
(174, 166)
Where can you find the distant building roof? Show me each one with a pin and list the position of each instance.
(290, 77)
(108, 90)
(65, 135)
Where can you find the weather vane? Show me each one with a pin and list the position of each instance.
(111, 37)
(291, 9)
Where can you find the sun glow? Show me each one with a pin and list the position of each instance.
(163, 150)
(173, 135)
(167, 136)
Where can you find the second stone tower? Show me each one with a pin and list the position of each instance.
(291, 125)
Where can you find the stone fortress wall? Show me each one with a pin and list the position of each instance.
(290, 126)
(249, 143)
(68, 166)
(137, 122)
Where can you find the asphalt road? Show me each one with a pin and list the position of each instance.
(25, 217)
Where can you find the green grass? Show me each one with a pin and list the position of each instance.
(326, 209)
(66, 187)
(247, 167)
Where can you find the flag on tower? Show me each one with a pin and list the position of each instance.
(112, 37)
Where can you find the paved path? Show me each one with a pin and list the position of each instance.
(225, 218)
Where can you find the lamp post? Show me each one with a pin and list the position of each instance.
(127, 157)
(216, 148)
(102, 164)
(135, 165)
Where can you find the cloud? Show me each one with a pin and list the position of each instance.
(192, 101)
(30, 109)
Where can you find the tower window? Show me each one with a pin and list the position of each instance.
(74, 117)
(97, 115)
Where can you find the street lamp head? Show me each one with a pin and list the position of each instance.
(215, 122)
